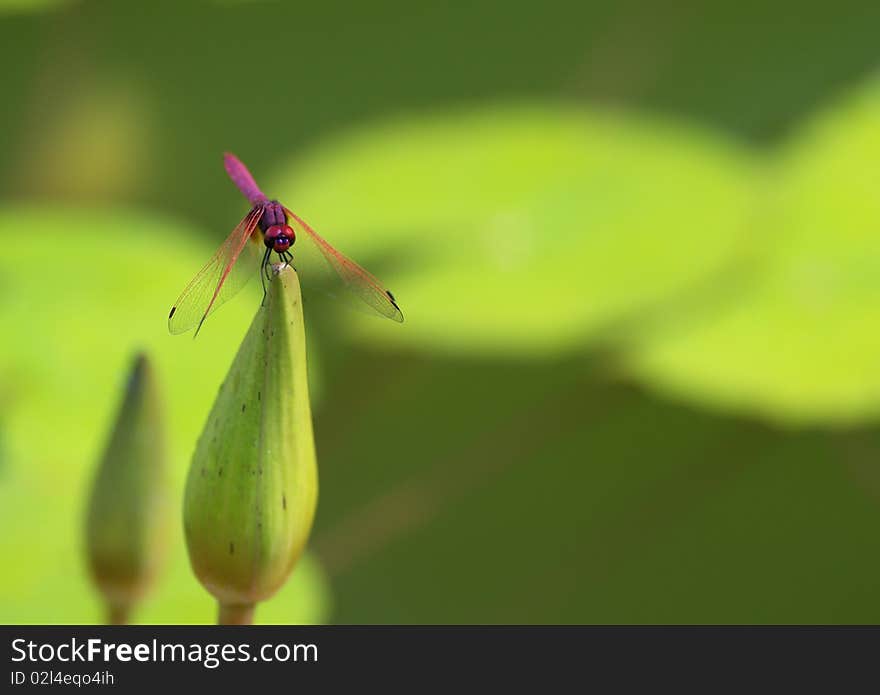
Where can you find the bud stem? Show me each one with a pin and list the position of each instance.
(118, 613)
(236, 614)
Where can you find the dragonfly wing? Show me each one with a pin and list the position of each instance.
(230, 268)
(345, 273)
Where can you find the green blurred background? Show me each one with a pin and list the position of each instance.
(638, 252)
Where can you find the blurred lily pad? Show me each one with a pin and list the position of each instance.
(21, 6)
(802, 343)
(526, 229)
(80, 292)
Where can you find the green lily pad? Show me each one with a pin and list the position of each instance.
(80, 292)
(523, 229)
(801, 342)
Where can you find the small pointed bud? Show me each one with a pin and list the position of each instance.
(128, 517)
(253, 482)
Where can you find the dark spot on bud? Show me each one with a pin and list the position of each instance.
(284, 501)
(220, 472)
(243, 406)
(258, 396)
(231, 548)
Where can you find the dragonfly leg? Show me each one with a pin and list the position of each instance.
(263, 270)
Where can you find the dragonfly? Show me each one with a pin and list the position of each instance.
(270, 227)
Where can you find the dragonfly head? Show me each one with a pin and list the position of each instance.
(279, 238)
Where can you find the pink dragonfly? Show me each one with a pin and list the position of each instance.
(239, 257)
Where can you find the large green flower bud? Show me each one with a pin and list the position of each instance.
(253, 482)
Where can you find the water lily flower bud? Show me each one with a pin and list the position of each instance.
(128, 517)
(253, 482)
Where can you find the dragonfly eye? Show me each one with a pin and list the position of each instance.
(279, 237)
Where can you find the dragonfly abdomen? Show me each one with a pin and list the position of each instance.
(242, 178)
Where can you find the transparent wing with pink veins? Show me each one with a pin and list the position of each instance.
(344, 274)
(230, 268)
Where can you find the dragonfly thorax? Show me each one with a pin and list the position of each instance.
(273, 213)
(279, 238)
